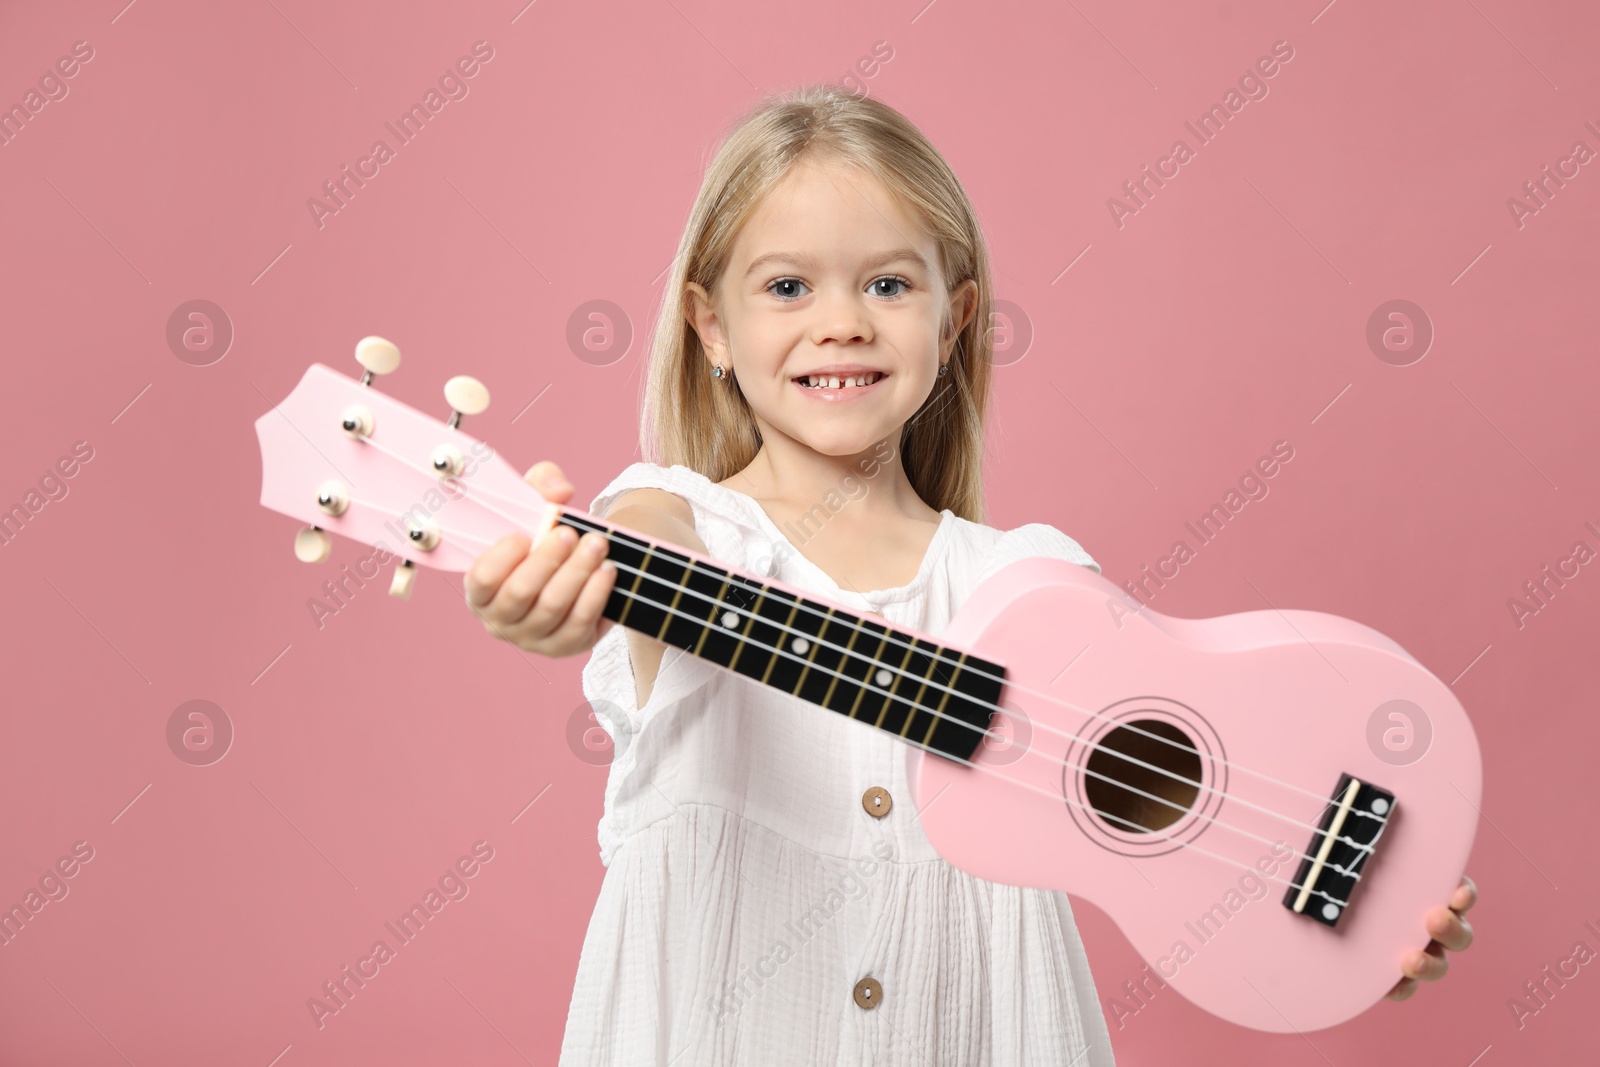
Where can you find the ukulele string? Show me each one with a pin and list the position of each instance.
(1089, 809)
(1315, 831)
(1058, 762)
(895, 642)
(634, 542)
(1161, 800)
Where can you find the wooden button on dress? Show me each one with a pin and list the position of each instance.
(868, 993)
(877, 802)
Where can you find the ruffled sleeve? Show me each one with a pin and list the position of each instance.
(608, 680)
(1034, 539)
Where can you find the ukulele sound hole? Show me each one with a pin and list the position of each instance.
(1110, 785)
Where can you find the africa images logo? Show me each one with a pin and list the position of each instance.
(1205, 129)
(452, 86)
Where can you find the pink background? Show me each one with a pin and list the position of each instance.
(1229, 313)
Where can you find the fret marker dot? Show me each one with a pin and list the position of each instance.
(730, 619)
(1330, 911)
(882, 677)
(1379, 806)
(800, 645)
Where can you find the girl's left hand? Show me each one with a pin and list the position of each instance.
(1449, 931)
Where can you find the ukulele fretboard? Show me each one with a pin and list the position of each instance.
(937, 698)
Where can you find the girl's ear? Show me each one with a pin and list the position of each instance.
(963, 305)
(701, 314)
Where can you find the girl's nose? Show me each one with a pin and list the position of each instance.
(840, 316)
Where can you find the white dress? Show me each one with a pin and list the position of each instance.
(748, 889)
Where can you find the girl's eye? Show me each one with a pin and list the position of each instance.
(891, 279)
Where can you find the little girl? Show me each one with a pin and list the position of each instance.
(816, 398)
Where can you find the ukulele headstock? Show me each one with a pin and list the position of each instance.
(345, 458)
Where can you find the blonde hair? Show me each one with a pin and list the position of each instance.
(693, 419)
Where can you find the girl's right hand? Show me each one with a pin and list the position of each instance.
(547, 600)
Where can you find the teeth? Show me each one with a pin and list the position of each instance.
(835, 382)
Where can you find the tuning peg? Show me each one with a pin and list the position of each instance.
(379, 356)
(466, 396)
(405, 576)
(333, 498)
(312, 544)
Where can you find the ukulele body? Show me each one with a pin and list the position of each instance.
(1300, 696)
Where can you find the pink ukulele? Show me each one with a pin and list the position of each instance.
(1267, 803)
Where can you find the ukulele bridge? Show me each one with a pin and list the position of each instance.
(1352, 821)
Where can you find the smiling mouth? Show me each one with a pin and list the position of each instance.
(849, 381)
